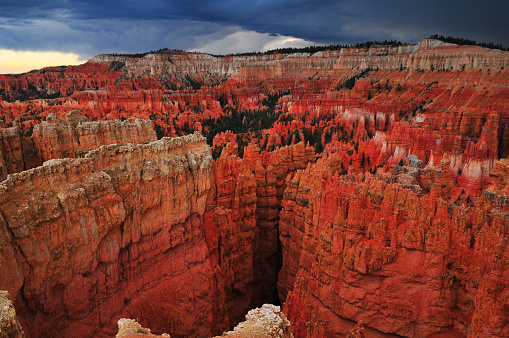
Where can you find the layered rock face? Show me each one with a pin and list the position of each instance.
(180, 68)
(70, 137)
(241, 223)
(73, 136)
(381, 250)
(400, 226)
(118, 232)
(12, 159)
(89, 239)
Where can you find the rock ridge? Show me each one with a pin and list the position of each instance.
(69, 137)
(76, 233)
(402, 251)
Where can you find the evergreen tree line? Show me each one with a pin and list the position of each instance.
(140, 55)
(241, 122)
(320, 48)
(468, 42)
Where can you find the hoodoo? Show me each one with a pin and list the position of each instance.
(363, 190)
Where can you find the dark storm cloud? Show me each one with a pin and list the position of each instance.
(479, 20)
(91, 27)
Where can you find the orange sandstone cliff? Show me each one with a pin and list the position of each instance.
(68, 137)
(91, 239)
(382, 251)
(364, 189)
(118, 232)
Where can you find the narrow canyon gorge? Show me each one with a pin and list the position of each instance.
(363, 190)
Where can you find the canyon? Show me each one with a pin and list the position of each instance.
(365, 190)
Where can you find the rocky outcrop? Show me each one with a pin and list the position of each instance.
(87, 241)
(399, 227)
(9, 324)
(267, 321)
(72, 136)
(131, 328)
(382, 250)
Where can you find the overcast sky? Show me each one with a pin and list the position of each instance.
(85, 28)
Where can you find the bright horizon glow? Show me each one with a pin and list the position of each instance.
(17, 62)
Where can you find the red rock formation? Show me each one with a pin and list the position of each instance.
(69, 137)
(430, 120)
(241, 222)
(271, 171)
(73, 136)
(117, 233)
(56, 81)
(120, 209)
(11, 152)
(387, 254)
(230, 225)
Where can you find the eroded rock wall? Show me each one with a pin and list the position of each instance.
(71, 136)
(241, 223)
(271, 170)
(86, 240)
(116, 233)
(380, 250)
(11, 152)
